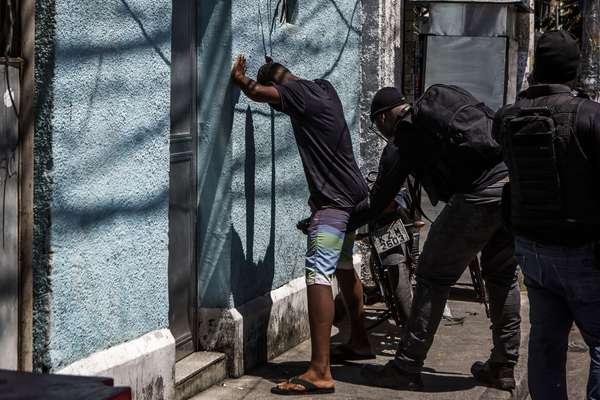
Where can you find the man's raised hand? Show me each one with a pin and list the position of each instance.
(254, 91)
(238, 72)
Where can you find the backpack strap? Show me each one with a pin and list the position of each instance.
(415, 191)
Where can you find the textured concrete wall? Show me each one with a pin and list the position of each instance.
(381, 65)
(101, 178)
(251, 183)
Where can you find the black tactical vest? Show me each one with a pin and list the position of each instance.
(552, 184)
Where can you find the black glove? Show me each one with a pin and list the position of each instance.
(303, 225)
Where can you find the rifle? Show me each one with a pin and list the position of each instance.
(478, 285)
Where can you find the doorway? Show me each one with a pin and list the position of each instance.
(182, 191)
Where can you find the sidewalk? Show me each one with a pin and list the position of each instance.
(578, 365)
(447, 369)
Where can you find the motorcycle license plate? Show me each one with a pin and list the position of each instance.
(390, 236)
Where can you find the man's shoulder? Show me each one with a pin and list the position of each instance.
(325, 85)
(390, 156)
(305, 85)
(389, 149)
(308, 82)
(322, 82)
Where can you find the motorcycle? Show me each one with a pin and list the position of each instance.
(392, 243)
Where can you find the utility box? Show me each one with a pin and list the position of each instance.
(471, 44)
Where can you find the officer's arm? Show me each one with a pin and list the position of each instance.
(388, 184)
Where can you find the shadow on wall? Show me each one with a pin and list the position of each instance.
(145, 34)
(215, 118)
(249, 279)
(227, 274)
(350, 30)
(227, 271)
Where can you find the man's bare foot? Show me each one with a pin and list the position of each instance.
(322, 382)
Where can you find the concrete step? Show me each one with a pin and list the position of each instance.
(197, 372)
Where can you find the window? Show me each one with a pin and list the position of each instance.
(477, 64)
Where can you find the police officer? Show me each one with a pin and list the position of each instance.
(551, 140)
(470, 223)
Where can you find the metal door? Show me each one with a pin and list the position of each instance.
(182, 198)
(9, 224)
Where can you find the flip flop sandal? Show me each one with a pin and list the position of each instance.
(345, 353)
(309, 388)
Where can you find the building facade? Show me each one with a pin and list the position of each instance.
(157, 206)
(164, 202)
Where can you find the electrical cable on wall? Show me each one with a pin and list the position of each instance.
(282, 10)
(262, 31)
(274, 18)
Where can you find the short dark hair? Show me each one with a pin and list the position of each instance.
(271, 72)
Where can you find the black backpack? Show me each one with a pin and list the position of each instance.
(461, 123)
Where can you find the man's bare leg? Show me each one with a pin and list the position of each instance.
(352, 290)
(320, 315)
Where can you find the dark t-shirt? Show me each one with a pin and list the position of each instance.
(324, 142)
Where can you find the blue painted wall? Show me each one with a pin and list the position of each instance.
(101, 181)
(252, 188)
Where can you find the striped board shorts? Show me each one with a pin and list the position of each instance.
(329, 246)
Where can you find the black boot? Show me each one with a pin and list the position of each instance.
(390, 376)
(499, 376)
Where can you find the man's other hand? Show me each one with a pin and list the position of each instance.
(303, 225)
(238, 72)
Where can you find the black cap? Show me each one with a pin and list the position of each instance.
(557, 58)
(385, 99)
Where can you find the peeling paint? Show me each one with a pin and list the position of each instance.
(153, 391)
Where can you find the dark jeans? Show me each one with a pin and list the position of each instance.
(563, 285)
(460, 232)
